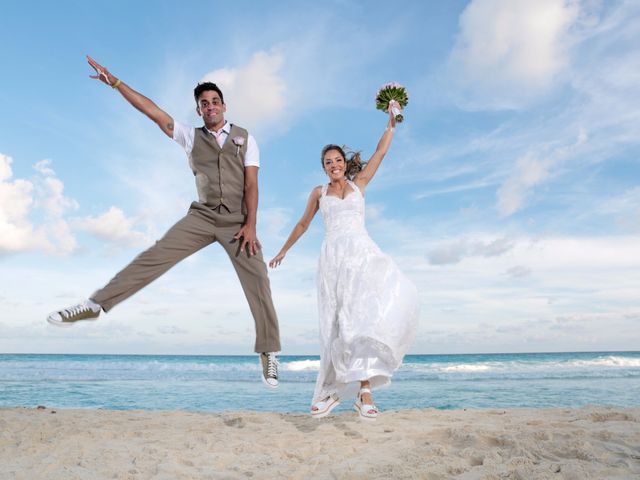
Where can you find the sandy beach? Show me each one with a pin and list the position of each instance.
(587, 443)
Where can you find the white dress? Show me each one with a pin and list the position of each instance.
(368, 310)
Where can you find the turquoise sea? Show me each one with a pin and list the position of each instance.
(218, 383)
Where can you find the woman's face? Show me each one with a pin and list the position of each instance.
(334, 164)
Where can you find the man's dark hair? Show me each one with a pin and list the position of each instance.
(203, 87)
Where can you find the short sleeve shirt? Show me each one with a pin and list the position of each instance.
(184, 135)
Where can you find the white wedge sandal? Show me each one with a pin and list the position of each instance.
(365, 411)
(324, 407)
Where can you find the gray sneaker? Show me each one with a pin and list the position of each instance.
(86, 310)
(269, 362)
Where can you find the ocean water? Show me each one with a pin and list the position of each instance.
(220, 383)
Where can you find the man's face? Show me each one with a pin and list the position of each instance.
(211, 108)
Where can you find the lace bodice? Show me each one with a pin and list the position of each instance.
(342, 216)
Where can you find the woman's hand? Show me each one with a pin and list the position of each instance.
(392, 115)
(277, 260)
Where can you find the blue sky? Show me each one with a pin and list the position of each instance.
(510, 195)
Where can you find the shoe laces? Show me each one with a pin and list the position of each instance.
(75, 310)
(272, 365)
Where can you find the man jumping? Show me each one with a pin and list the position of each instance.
(224, 159)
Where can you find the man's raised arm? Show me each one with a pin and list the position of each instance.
(139, 101)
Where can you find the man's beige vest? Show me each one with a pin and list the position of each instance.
(219, 171)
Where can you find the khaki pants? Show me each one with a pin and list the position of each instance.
(199, 228)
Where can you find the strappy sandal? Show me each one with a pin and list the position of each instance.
(365, 411)
(324, 407)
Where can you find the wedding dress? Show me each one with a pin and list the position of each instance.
(368, 310)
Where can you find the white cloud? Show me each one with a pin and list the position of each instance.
(574, 277)
(455, 251)
(509, 51)
(471, 305)
(623, 208)
(531, 170)
(171, 330)
(255, 92)
(20, 199)
(519, 271)
(51, 200)
(16, 200)
(532, 155)
(299, 72)
(113, 226)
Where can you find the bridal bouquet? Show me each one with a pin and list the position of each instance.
(387, 93)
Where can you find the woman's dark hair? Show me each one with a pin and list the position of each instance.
(203, 87)
(353, 160)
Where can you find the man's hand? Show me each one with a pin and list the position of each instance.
(102, 73)
(249, 239)
(136, 99)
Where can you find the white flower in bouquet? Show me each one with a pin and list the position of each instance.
(388, 93)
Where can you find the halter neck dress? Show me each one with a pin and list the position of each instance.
(367, 309)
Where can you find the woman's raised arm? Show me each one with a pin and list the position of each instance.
(366, 174)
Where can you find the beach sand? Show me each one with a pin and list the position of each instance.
(587, 443)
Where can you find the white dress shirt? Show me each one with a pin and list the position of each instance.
(184, 135)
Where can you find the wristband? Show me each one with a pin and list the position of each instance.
(117, 84)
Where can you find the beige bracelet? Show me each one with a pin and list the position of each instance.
(117, 84)
(392, 129)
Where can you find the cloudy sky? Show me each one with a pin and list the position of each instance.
(511, 194)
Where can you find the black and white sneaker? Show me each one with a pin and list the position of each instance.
(269, 363)
(86, 310)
